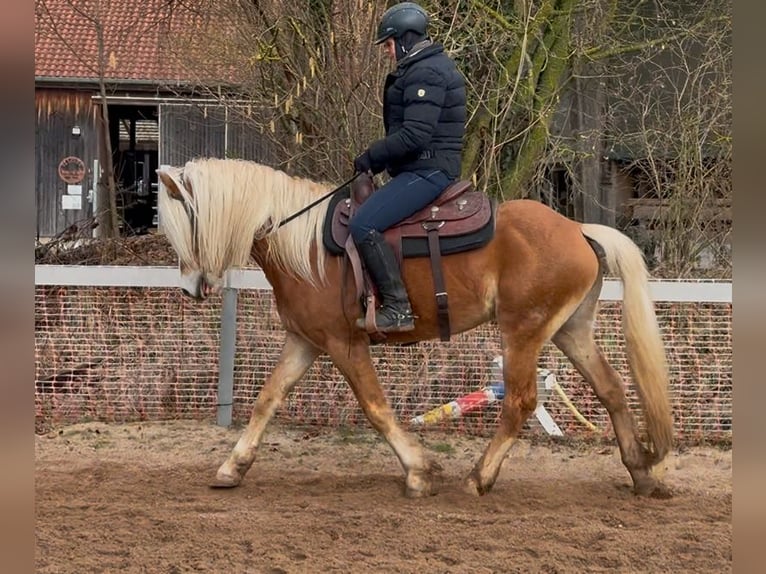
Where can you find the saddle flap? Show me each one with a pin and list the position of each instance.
(461, 206)
(465, 214)
(364, 186)
(458, 211)
(454, 190)
(468, 212)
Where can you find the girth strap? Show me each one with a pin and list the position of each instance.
(442, 307)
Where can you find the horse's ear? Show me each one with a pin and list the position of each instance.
(171, 180)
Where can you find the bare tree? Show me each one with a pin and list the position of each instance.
(552, 83)
(578, 85)
(308, 70)
(669, 116)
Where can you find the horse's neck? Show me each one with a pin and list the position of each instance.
(259, 253)
(286, 283)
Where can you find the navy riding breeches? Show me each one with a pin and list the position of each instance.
(402, 196)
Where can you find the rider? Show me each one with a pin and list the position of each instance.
(424, 114)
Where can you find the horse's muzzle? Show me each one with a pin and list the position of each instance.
(195, 285)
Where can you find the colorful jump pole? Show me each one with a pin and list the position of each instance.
(462, 405)
(546, 382)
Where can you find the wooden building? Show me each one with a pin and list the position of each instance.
(157, 115)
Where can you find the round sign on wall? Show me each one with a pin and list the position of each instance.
(72, 169)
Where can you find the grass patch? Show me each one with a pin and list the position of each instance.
(441, 447)
(347, 435)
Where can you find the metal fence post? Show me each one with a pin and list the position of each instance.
(226, 356)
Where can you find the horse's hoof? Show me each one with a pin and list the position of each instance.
(426, 482)
(225, 481)
(661, 492)
(473, 487)
(419, 486)
(423, 491)
(654, 489)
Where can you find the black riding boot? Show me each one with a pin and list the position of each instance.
(395, 313)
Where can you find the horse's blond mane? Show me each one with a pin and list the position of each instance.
(235, 201)
(174, 220)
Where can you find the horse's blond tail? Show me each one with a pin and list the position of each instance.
(646, 354)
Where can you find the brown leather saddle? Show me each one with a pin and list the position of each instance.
(460, 219)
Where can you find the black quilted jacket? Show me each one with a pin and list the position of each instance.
(424, 115)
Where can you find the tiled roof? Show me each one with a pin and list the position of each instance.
(135, 34)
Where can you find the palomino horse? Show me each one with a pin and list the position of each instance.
(539, 278)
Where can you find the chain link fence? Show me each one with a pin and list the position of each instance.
(131, 353)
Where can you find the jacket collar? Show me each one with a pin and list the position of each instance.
(419, 51)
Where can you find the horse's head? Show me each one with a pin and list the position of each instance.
(220, 214)
(179, 218)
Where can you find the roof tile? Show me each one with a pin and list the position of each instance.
(66, 44)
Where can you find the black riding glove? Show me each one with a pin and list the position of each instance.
(363, 163)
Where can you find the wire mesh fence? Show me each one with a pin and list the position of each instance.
(143, 353)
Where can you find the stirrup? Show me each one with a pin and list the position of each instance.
(389, 320)
(397, 322)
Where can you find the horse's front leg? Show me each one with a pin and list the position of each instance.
(422, 475)
(296, 358)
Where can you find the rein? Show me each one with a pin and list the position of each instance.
(320, 200)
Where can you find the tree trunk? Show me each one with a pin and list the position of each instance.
(549, 62)
(108, 200)
(589, 206)
(108, 188)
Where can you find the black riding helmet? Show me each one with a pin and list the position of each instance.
(401, 18)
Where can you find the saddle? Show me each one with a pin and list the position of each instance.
(460, 219)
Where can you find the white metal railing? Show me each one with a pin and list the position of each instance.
(703, 291)
(135, 276)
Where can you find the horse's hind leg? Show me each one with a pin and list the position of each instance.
(356, 365)
(520, 376)
(575, 339)
(296, 358)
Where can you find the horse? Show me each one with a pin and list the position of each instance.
(539, 278)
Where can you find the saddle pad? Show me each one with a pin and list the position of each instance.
(414, 246)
